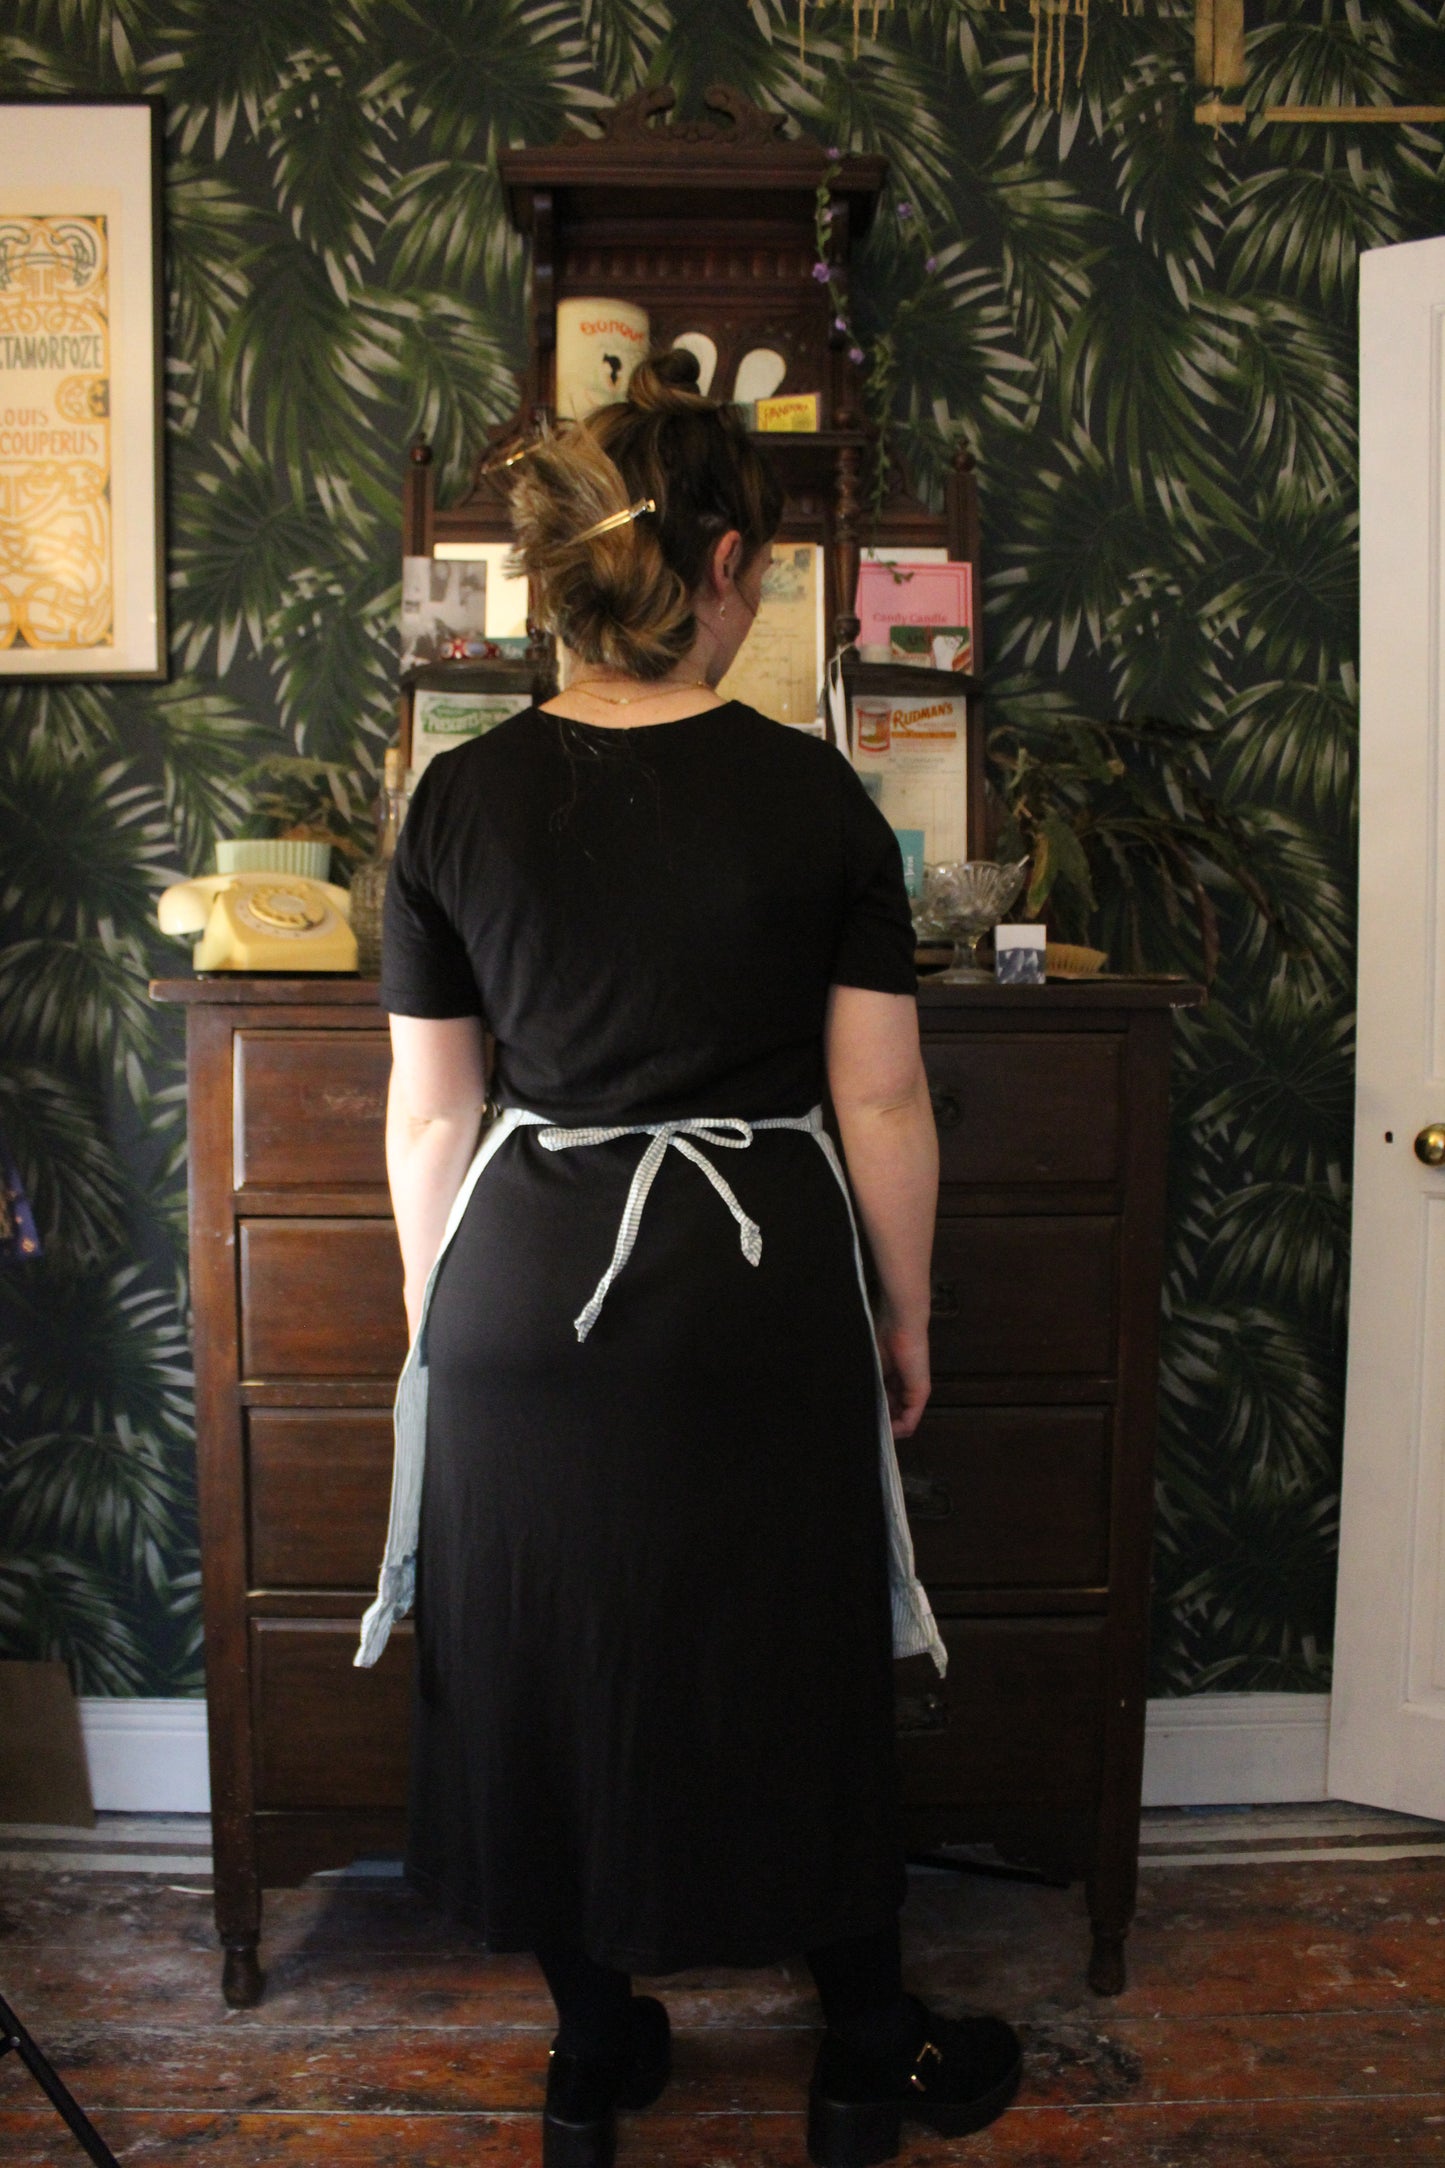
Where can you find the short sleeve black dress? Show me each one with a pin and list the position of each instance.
(654, 1707)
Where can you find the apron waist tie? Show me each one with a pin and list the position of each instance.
(719, 1131)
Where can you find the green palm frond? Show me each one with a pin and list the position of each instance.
(98, 1351)
(105, 32)
(1298, 743)
(1292, 381)
(1286, 1242)
(885, 100)
(60, 722)
(1332, 52)
(85, 847)
(59, 1609)
(1274, 1083)
(333, 644)
(78, 1006)
(1048, 239)
(78, 1186)
(1288, 585)
(298, 369)
(1169, 171)
(478, 74)
(221, 62)
(1163, 648)
(753, 48)
(1303, 228)
(1246, 1602)
(1316, 893)
(325, 142)
(1256, 1386)
(1147, 378)
(111, 1495)
(185, 1667)
(206, 246)
(958, 366)
(455, 375)
(622, 36)
(1075, 539)
(201, 741)
(449, 228)
(248, 536)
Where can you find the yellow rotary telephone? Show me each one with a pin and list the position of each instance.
(262, 922)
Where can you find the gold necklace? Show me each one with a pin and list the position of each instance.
(629, 700)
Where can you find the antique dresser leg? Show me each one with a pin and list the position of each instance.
(241, 1976)
(238, 1908)
(1106, 1960)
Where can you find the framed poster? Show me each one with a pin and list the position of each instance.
(82, 542)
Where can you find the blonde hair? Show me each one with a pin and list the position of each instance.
(623, 599)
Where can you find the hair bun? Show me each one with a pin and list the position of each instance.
(670, 379)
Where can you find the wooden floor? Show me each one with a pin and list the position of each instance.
(1286, 2006)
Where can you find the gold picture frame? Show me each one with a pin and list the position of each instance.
(82, 443)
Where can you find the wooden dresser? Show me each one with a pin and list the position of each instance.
(1029, 1483)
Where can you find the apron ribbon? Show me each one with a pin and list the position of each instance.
(719, 1131)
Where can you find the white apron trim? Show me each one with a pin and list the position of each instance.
(914, 1630)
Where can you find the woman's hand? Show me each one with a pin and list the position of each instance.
(903, 1350)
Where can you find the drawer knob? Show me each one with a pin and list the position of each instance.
(927, 1499)
(1430, 1145)
(947, 1112)
(927, 1711)
(945, 1298)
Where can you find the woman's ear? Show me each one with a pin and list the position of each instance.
(725, 563)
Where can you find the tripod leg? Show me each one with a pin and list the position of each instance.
(14, 2035)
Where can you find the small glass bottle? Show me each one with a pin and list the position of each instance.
(368, 883)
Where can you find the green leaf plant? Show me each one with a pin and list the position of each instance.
(1127, 837)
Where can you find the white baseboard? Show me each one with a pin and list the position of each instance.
(149, 1757)
(1217, 1750)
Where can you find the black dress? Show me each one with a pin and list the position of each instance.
(654, 1709)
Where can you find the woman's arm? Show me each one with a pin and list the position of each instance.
(433, 1115)
(885, 1118)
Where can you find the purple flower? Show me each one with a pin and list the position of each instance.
(822, 272)
(834, 151)
(905, 210)
(930, 263)
(840, 323)
(855, 353)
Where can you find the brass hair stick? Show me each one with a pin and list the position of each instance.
(617, 519)
(499, 460)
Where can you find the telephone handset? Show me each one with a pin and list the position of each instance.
(262, 922)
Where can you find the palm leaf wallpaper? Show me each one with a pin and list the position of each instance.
(1148, 334)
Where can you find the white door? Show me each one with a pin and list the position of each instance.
(1387, 1733)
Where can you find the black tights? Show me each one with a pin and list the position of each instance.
(859, 1982)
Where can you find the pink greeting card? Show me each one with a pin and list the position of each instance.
(904, 594)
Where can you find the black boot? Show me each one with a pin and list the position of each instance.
(954, 2074)
(579, 2121)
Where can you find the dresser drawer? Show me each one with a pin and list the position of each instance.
(1027, 1106)
(318, 1486)
(1029, 1295)
(326, 1734)
(1018, 1720)
(321, 1298)
(1009, 1497)
(310, 1109)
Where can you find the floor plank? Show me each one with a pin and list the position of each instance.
(1288, 2013)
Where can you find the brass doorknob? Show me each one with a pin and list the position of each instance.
(1430, 1145)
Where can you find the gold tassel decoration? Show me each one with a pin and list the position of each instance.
(1050, 41)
